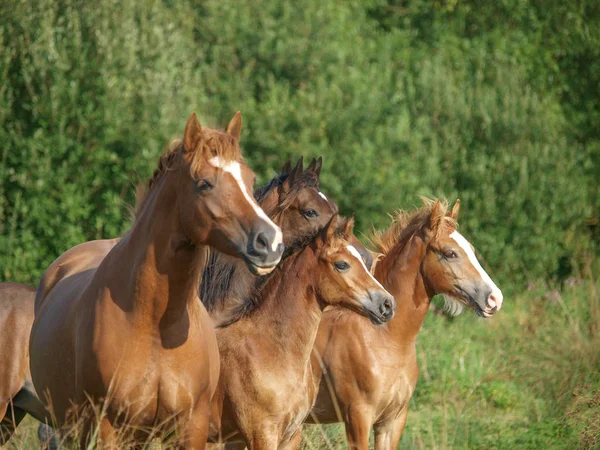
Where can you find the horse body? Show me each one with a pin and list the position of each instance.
(17, 395)
(130, 334)
(266, 388)
(368, 374)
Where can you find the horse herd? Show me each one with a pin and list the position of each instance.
(231, 318)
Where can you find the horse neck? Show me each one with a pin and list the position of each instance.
(399, 271)
(290, 311)
(163, 269)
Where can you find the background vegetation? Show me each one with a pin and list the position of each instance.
(497, 103)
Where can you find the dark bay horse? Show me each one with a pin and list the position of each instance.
(421, 254)
(131, 335)
(266, 388)
(17, 395)
(295, 203)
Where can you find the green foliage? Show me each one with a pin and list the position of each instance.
(495, 103)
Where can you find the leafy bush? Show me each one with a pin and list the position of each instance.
(400, 98)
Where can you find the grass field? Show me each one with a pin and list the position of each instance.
(527, 379)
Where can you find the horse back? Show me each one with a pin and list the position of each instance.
(80, 258)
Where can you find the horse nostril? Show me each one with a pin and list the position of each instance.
(261, 242)
(387, 304)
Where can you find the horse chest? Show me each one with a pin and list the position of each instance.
(151, 382)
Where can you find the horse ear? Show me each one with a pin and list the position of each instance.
(192, 133)
(329, 229)
(287, 167)
(349, 227)
(315, 165)
(318, 166)
(234, 129)
(455, 209)
(296, 171)
(435, 219)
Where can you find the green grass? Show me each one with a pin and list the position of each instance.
(529, 378)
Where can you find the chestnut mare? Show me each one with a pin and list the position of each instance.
(422, 254)
(17, 395)
(295, 203)
(266, 388)
(131, 335)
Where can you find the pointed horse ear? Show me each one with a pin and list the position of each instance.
(234, 128)
(287, 167)
(192, 133)
(296, 172)
(436, 219)
(315, 166)
(453, 214)
(349, 227)
(318, 166)
(329, 230)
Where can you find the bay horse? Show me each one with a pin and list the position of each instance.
(294, 201)
(131, 335)
(421, 254)
(17, 395)
(266, 388)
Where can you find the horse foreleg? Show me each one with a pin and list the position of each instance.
(196, 427)
(294, 441)
(387, 435)
(358, 425)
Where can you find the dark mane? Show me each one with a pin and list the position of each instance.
(261, 192)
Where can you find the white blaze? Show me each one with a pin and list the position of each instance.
(323, 196)
(356, 254)
(464, 244)
(234, 168)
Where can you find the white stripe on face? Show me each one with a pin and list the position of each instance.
(355, 253)
(234, 168)
(464, 244)
(323, 196)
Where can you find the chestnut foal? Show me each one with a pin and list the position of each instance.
(422, 254)
(131, 335)
(266, 388)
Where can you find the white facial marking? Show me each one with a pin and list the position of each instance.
(323, 196)
(355, 253)
(496, 292)
(234, 168)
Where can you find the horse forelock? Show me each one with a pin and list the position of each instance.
(212, 143)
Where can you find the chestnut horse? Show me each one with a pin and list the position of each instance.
(131, 335)
(266, 388)
(422, 254)
(17, 395)
(295, 203)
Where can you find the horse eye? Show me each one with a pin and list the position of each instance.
(341, 266)
(202, 186)
(450, 254)
(310, 213)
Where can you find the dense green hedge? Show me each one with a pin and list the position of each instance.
(495, 103)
